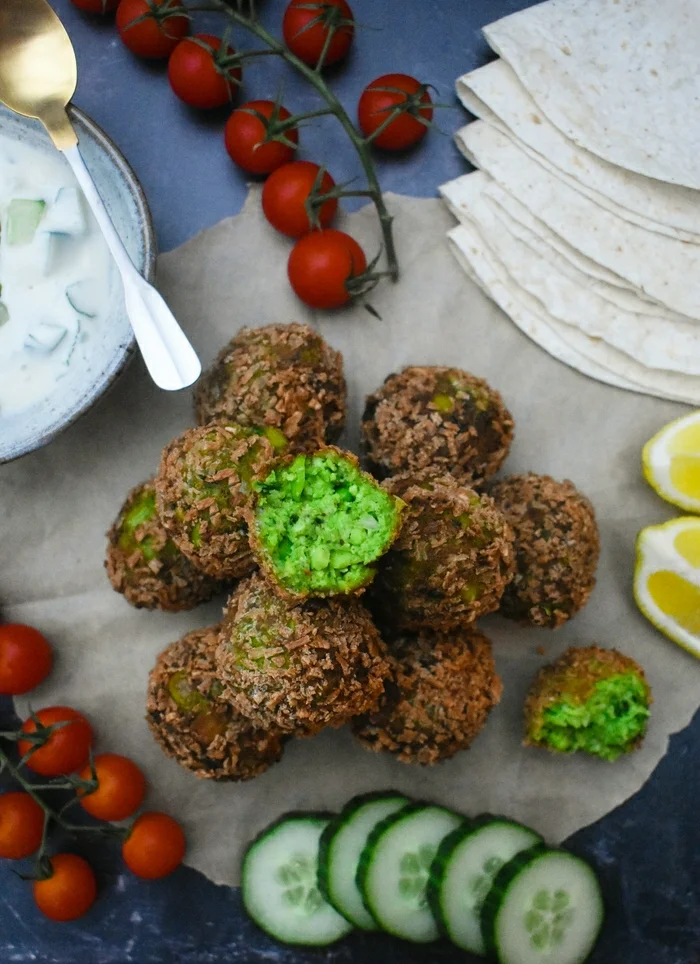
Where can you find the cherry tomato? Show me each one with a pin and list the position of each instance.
(159, 33)
(307, 24)
(379, 99)
(25, 658)
(69, 892)
(97, 6)
(320, 265)
(245, 138)
(67, 748)
(21, 825)
(286, 192)
(155, 846)
(198, 73)
(121, 787)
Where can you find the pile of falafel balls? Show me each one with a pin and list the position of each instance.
(354, 594)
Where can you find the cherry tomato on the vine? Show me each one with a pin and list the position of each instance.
(69, 892)
(198, 73)
(97, 6)
(380, 98)
(245, 137)
(307, 25)
(121, 787)
(21, 825)
(25, 658)
(67, 748)
(155, 846)
(286, 192)
(158, 34)
(321, 264)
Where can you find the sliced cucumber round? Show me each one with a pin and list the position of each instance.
(395, 865)
(342, 843)
(464, 870)
(279, 883)
(545, 907)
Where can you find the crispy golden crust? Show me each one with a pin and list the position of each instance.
(452, 560)
(146, 566)
(299, 667)
(204, 733)
(281, 375)
(556, 548)
(437, 700)
(437, 418)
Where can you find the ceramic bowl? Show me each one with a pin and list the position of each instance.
(111, 347)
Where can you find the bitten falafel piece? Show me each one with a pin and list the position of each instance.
(591, 699)
(451, 562)
(299, 667)
(319, 524)
(431, 417)
(144, 564)
(203, 488)
(437, 699)
(557, 546)
(192, 723)
(282, 376)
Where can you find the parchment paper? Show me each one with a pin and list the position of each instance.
(57, 504)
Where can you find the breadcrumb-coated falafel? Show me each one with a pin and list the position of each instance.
(192, 723)
(557, 546)
(284, 376)
(438, 418)
(437, 699)
(299, 667)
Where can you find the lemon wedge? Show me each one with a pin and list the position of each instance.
(667, 579)
(671, 462)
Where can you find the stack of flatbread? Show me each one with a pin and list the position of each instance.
(583, 219)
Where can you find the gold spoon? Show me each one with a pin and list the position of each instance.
(38, 76)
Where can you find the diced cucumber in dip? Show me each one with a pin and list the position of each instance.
(22, 221)
(66, 215)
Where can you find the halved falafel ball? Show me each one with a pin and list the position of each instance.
(283, 376)
(437, 699)
(451, 561)
(556, 548)
(299, 667)
(431, 417)
(203, 488)
(192, 723)
(319, 524)
(144, 564)
(591, 699)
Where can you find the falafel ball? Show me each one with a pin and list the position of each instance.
(591, 699)
(203, 487)
(298, 667)
(452, 560)
(431, 417)
(282, 376)
(556, 548)
(144, 564)
(194, 725)
(437, 699)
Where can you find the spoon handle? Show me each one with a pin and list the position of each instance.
(169, 357)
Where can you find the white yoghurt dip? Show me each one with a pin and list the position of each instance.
(54, 275)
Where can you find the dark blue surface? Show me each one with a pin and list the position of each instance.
(648, 851)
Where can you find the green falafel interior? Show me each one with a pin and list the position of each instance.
(141, 511)
(321, 523)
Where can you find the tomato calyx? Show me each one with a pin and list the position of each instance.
(226, 60)
(412, 104)
(275, 126)
(161, 13)
(330, 18)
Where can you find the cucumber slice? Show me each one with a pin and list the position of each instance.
(66, 214)
(45, 338)
(279, 883)
(545, 907)
(4, 314)
(342, 843)
(394, 868)
(23, 217)
(82, 297)
(464, 870)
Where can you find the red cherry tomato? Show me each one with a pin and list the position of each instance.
(97, 6)
(21, 825)
(307, 25)
(320, 265)
(69, 892)
(67, 748)
(25, 658)
(286, 192)
(379, 99)
(245, 138)
(158, 34)
(121, 787)
(198, 73)
(155, 847)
